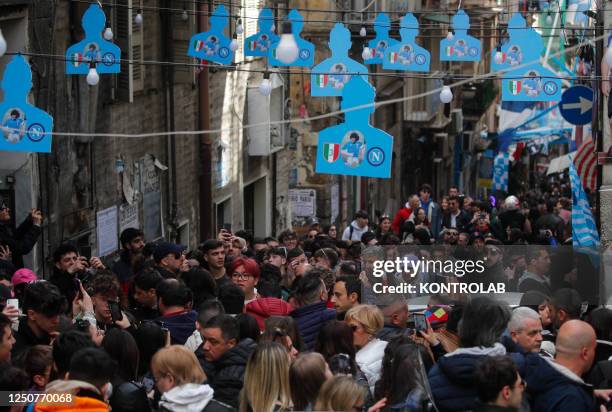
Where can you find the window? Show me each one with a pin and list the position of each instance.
(130, 39)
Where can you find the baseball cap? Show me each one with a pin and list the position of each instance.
(23, 276)
(163, 249)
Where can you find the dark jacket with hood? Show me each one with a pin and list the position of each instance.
(452, 378)
(180, 325)
(310, 319)
(20, 241)
(65, 283)
(554, 388)
(226, 374)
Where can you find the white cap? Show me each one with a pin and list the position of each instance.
(511, 203)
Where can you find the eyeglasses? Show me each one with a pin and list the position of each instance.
(452, 233)
(242, 276)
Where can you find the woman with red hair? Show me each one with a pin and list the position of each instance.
(244, 272)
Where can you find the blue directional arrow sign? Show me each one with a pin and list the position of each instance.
(577, 105)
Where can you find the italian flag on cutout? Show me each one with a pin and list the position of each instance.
(252, 45)
(393, 57)
(449, 50)
(322, 80)
(77, 59)
(331, 151)
(199, 44)
(515, 87)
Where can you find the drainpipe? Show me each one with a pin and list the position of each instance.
(205, 139)
(168, 78)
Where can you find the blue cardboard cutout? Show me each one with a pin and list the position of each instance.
(379, 44)
(25, 128)
(462, 47)
(407, 55)
(323, 82)
(512, 52)
(531, 82)
(355, 147)
(213, 45)
(307, 49)
(93, 47)
(260, 43)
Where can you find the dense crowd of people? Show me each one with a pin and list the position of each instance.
(292, 323)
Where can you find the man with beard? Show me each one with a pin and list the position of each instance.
(131, 258)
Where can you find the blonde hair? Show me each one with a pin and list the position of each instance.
(266, 379)
(369, 316)
(180, 362)
(340, 393)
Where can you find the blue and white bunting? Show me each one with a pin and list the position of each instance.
(584, 229)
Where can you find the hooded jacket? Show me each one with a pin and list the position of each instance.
(369, 358)
(357, 232)
(20, 241)
(226, 374)
(85, 398)
(310, 319)
(452, 378)
(400, 218)
(191, 397)
(180, 325)
(554, 388)
(261, 309)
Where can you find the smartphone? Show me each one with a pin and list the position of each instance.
(77, 286)
(228, 227)
(13, 302)
(419, 321)
(85, 251)
(115, 311)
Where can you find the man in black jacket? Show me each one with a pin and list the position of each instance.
(20, 241)
(132, 241)
(42, 304)
(500, 387)
(224, 357)
(455, 217)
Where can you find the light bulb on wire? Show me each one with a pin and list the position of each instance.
(184, 15)
(450, 35)
(499, 56)
(2, 44)
(287, 50)
(363, 32)
(234, 43)
(549, 19)
(366, 54)
(239, 27)
(265, 88)
(138, 18)
(93, 78)
(108, 34)
(446, 95)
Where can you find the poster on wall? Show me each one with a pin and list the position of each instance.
(151, 200)
(303, 202)
(128, 217)
(106, 231)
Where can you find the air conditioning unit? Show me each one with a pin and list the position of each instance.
(266, 138)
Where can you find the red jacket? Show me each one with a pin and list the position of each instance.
(261, 309)
(400, 218)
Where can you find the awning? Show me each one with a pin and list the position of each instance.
(560, 163)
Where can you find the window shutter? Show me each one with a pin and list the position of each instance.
(258, 109)
(181, 34)
(130, 39)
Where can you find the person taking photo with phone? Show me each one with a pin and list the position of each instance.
(19, 241)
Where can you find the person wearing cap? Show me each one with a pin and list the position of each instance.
(169, 259)
(512, 217)
(20, 241)
(132, 242)
(535, 276)
(20, 279)
(432, 209)
(245, 274)
(357, 227)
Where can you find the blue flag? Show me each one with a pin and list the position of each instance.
(501, 164)
(584, 230)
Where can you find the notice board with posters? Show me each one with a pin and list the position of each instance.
(151, 199)
(303, 202)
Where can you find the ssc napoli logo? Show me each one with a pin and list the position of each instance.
(420, 59)
(376, 156)
(36, 132)
(108, 59)
(223, 52)
(304, 54)
(473, 51)
(550, 88)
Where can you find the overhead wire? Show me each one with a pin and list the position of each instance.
(336, 113)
